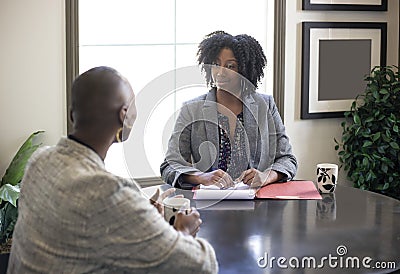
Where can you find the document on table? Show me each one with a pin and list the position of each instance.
(292, 190)
(240, 191)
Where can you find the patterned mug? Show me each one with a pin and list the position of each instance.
(327, 175)
(173, 205)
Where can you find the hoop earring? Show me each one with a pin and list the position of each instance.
(117, 135)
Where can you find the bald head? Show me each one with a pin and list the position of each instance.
(98, 95)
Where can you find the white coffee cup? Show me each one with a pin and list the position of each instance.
(327, 175)
(173, 205)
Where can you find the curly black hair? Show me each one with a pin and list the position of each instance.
(248, 52)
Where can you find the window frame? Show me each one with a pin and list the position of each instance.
(72, 53)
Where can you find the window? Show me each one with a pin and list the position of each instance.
(145, 39)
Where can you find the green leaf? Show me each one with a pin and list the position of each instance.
(16, 169)
(385, 138)
(369, 120)
(379, 187)
(9, 193)
(369, 176)
(375, 94)
(394, 145)
(356, 119)
(337, 147)
(396, 128)
(365, 162)
(376, 136)
(367, 144)
(8, 218)
(381, 149)
(386, 186)
(383, 91)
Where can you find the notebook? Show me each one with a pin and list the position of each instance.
(292, 190)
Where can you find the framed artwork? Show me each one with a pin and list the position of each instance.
(371, 5)
(336, 56)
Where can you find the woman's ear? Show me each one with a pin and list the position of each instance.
(122, 114)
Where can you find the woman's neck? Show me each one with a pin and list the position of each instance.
(229, 101)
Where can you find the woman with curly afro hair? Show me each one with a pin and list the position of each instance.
(232, 133)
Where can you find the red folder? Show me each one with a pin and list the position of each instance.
(289, 190)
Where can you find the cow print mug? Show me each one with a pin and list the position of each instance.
(327, 175)
(173, 205)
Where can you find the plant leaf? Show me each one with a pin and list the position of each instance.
(394, 145)
(16, 169)
(376, 136)
(8, 218)
(383, 91)
(356, 119)
(10, 193)
(367, 144)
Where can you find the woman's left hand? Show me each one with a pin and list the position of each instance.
(255, 178)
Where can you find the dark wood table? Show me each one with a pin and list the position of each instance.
(349, 225)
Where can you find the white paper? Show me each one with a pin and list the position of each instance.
(240, 191)
(239, 185)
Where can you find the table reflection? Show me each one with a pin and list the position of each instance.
(364, 223)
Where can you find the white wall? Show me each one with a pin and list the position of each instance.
(312, 140)
(32, 73)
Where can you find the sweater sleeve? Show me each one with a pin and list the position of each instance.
(133, 236)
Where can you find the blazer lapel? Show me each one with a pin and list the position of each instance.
(211, 125)
(250, 117)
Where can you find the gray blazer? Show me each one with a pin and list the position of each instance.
(194, 143)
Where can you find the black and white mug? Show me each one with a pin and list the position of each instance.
(173, 205)
(327, 175)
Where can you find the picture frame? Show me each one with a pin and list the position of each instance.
(334, 54)
(345, 5)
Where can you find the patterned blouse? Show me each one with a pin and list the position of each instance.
(232, 158)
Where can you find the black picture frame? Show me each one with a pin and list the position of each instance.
(307, 101)
(307, 5)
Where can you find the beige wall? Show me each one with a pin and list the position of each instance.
(32, 77)
(32, 73)
(313, 139)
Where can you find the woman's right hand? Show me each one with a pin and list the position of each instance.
(216, 177)
(188, 224)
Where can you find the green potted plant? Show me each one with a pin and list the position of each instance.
(9, 194)
(370, 146)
